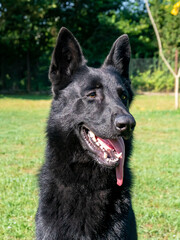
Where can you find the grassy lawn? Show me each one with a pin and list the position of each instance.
(155, 164)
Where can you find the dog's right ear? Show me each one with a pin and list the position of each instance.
(67, 57)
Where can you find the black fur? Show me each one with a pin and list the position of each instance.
(79, 198)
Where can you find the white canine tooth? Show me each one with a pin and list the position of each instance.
(91, 134)
(105, 155)
(118, 155)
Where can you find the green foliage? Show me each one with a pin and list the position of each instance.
(157, 81)
(167, 24)
(29, 29)
(154, 163)
(25, 36)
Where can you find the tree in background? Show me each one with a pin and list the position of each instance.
(97, 24)
(29, 28)
(25, 36)
(168, 43)
(167, 25)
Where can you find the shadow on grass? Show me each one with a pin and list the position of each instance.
(27, 96)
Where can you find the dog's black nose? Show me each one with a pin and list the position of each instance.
(125, 124)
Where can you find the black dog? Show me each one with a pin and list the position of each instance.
(85, 181)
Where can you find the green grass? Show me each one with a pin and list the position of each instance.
(155, 163)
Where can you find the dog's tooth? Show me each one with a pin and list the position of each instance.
(113, 160)
(105, 155)
(103, 144)
(118, 155)
(91, 134)
(94, 139)
(108, 159)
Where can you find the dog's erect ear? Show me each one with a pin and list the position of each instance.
(119, 56)
(67, 57)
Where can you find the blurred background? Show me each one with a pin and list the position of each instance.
(29, 28)
(28, 32)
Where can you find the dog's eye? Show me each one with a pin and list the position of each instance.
(123, 97)
(92, 95)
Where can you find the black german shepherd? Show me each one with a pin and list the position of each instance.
(85, 181)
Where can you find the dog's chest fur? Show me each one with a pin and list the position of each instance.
(80, 213)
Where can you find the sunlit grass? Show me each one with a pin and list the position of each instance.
(155, 164)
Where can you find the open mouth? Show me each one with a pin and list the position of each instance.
(107, 152)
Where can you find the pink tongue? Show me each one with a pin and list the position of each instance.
(118, 145)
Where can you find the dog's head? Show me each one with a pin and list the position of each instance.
(93, 103)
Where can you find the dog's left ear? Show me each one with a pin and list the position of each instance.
(119, 56)
(67, 57)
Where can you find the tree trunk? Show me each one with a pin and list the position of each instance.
(176, 89)
(176, 75)
(176, 61)
(3, 83)
(28, 72)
